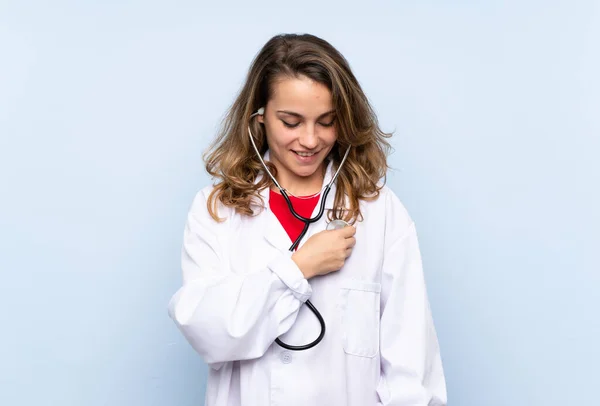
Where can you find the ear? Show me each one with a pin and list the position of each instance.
(261, 117)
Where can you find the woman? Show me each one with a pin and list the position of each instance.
(244, 305)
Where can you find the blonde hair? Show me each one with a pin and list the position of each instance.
(232, 160)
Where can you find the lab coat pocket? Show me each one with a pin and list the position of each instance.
(359, 307)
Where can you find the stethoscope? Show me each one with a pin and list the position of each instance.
(335, 224)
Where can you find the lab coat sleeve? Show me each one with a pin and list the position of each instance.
(411, 365)
(228, 316)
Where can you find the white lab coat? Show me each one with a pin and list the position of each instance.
(241, 290)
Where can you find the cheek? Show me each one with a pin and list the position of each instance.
(329, 136)
(279, 136)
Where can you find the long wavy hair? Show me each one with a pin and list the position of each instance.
(232, 160)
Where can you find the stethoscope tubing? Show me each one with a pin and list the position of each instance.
(307, 221)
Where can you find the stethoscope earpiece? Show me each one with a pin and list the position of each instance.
(259, 112)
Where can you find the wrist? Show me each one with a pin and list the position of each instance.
(302, 266)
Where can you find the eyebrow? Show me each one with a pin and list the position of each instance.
(291, 113)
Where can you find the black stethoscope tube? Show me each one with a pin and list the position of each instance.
(307, 222)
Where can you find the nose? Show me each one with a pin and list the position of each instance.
(309, 139)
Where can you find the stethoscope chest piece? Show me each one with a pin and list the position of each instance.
(336, 224)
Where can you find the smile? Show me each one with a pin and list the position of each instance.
(306, 154)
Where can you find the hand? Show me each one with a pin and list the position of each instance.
(325, 251)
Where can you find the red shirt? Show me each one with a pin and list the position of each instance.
(303, 207)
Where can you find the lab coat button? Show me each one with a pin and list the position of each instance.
(286, 357)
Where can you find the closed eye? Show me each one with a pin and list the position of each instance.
(288, 125)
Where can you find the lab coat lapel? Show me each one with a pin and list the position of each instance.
(272, 231)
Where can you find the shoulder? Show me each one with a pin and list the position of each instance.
(208, 201)
(201, 198)
(203, 194)
(397, 218)
(201, 201)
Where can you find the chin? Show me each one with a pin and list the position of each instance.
(305, 170)
(304, 174)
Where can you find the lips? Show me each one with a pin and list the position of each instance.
(306, 158)
(305, 153)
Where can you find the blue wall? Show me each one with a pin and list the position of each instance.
(106, 107)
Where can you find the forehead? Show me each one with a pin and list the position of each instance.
(301, 95)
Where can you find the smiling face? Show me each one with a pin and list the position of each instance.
(299, 122)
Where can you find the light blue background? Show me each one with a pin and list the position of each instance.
(106, 108)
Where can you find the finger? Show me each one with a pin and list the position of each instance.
(348, 231)
(350, 242)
